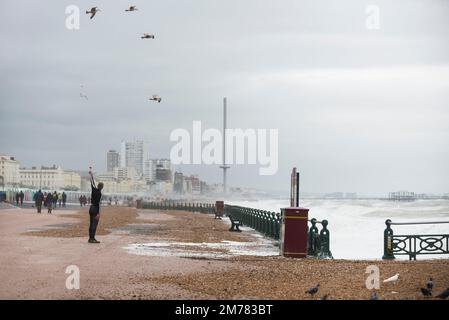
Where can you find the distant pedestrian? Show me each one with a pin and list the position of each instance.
(80, 199)
(64, 198)
(49, 202)
(55, 199)
(94, 210)
(17, 198)
(45, 199)
(38, 199)
(21, 196)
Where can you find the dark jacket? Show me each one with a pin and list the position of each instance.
(49, 199)
(38, 197)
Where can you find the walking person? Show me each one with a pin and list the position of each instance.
(38, 199)
(64, 198)
(45, 199)
(17, 198)
(21, 196)
(55, 199)
(94, 210)
(49, 202)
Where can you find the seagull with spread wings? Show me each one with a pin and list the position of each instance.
(93, 12)
(147, 36)
(132, 8)
(156, 98)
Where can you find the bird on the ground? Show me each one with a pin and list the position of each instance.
(314, 290)
(156, 98)
(426, 292)
(324, 297)
(147, 36)
(393, 279)
(444, 294)
(374, 296)
(132, 8)
(429, 284)
(93, 12)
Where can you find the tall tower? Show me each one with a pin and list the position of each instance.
(224, 166)
(112, 158)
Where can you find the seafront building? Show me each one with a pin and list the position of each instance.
(9, 172)
(49, 178)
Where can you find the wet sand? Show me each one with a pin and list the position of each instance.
(34, 259)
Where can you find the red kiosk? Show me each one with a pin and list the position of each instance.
(294, 224)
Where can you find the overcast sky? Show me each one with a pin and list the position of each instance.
(357, 110)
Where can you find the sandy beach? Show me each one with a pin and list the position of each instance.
(149, 254)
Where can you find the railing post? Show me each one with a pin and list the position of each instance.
(325, 251)
(312, 239)
(388, 242)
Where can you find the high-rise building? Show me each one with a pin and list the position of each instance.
(133, 155)
(113, 160)
(158, 169)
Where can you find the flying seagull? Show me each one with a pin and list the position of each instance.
(393, 279)
(156, 98)
(429, 284)
(444, 294)
(426, 292)
(374, 296)
(132, 8)
(147, 36)
(93, 12)
(314, 290)
(82, 95)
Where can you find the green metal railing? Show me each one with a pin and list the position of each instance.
(413, 245)
(266, 222)
(318, 241)
(184, 206)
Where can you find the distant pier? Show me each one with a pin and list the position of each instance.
(402, 196)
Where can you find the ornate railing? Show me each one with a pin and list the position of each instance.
(266, 222)
(413, 245)
(318, 242)
(184, 206)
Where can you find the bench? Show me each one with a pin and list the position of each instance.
(235, 224)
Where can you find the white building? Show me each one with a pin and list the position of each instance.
(72, 180)
(126, 173)
(9, 171)
(133, 155)
(47, 178)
